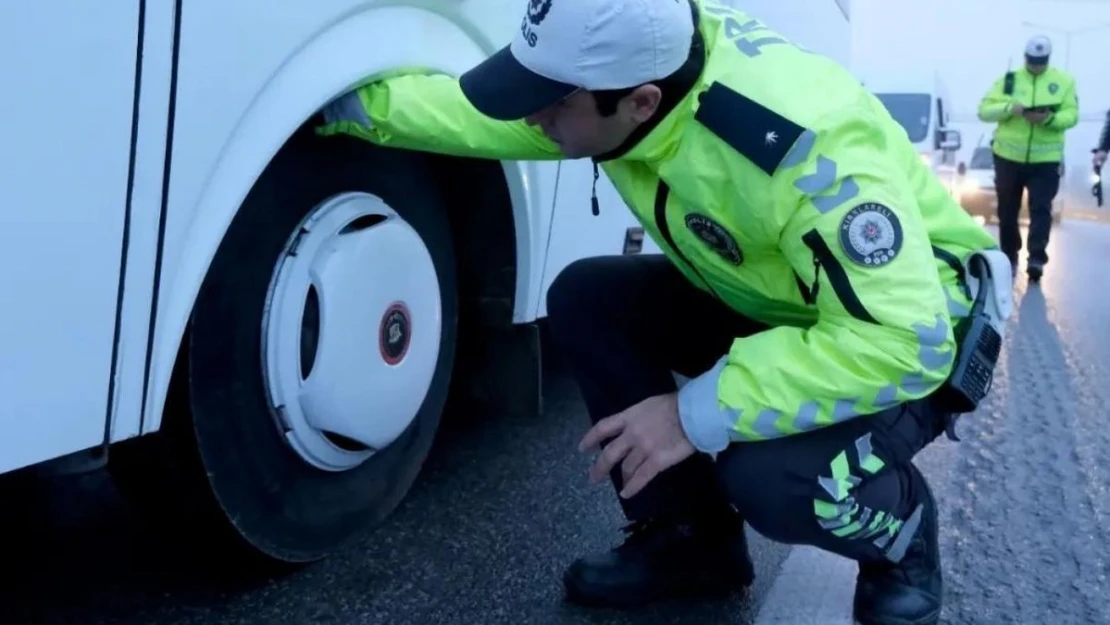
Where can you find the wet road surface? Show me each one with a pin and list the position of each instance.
(1026, 514)
(503, 505)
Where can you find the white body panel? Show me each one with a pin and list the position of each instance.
(247, 75)
(234, 110)
(818, 25)
(65, 140)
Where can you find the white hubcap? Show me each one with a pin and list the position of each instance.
(351, 331)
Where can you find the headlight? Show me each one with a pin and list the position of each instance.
(1095, 178)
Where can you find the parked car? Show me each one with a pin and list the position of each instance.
(977, 192)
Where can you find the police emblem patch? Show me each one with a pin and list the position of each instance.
(1053, 88)
(871, 234)
(716, 237)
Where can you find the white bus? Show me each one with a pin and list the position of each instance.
(255, 329)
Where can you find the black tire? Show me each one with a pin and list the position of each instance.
(218, 473)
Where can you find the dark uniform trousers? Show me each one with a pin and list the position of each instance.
(1043, 182)
(624, 323)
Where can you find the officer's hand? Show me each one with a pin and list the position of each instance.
(647, 439)
(1037, 117)
(1100, 158)
(1017, 109)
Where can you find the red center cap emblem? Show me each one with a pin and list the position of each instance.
(394, 333)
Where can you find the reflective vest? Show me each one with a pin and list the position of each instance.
(784, 189)
(1015, 139)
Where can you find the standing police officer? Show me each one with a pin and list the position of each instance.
(1033, 106)
(812, 278)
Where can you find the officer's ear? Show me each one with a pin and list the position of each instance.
(641, 104)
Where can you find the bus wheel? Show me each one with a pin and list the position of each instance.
(317, 359)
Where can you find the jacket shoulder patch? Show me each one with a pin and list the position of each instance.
(759, 134)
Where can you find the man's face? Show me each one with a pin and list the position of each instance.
(580, 130)
(1036, 68)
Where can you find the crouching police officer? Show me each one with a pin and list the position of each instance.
(813, 273)
(1033, 106)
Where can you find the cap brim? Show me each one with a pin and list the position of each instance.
(501, 88)
(1036, 60)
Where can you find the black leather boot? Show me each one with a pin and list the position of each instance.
(1034, 269)
(911, 591)
(660, 560)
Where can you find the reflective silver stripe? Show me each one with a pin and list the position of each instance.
(863, 448)
(887, 397)
(799, 152)
(1036, 148)
(806, 419)
(897, 551)
(1010, 146)
(882, 540)
(848, 190)
(844, 511)
(823, 180)
(1046, 147)
(845, 409)
(764, 424)
(832, 487)
(915, 384)
(932, 336)
(930, 339)
(865, 517)
(868, 460)
(835, 524)
(842, 519)
(956, 309)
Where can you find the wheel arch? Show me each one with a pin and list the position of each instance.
(314, 74)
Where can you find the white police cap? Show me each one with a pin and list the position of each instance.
(565, 45)
(1038, 49)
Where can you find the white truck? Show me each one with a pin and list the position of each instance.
(919, 101)
(257, 331)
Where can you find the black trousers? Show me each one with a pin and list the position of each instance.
(624, 323)
(1042, 180)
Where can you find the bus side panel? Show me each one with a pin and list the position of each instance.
(249, 73)
(142, 247)
(68, 75)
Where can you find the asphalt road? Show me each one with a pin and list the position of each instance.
(503, 505)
